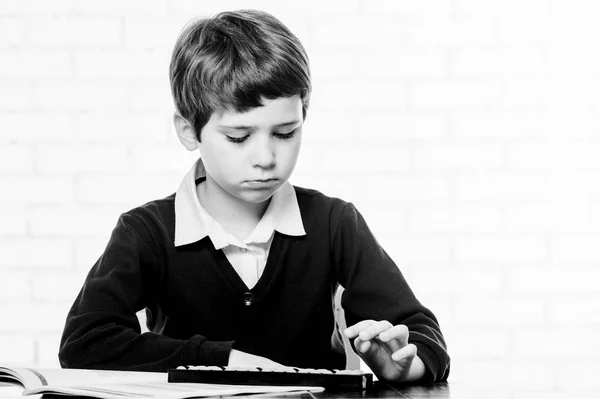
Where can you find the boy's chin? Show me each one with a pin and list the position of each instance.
(256, 196)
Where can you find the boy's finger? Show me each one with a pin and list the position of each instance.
(374, 330)
(354, 330)
(405, 353)
(399, 333)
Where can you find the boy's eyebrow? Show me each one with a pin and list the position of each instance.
(244, 127)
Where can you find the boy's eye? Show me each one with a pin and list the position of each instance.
(285, 136)
(238, 139)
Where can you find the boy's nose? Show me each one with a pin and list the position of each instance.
(264, 155)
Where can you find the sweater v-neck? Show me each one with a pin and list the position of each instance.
(268, 275)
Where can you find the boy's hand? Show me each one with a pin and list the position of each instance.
(385, 349)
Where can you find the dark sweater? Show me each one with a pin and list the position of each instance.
(198, 307)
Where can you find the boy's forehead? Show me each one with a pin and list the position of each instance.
(273, 112)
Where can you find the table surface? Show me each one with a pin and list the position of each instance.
(456, 390)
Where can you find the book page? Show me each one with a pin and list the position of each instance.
(167, 390)
(36, 378)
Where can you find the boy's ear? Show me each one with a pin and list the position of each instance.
(185, 132)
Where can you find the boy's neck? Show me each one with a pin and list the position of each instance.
(237, 217)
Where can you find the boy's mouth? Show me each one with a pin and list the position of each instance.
(262, 182)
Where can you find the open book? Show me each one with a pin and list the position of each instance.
(109, 384)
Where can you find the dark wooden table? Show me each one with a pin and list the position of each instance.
(454, 390)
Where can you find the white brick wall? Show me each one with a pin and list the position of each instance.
(466, 132)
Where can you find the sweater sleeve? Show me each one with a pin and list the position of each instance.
(376, 289)
(102, 330)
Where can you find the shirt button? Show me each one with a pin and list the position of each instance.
(248, 298)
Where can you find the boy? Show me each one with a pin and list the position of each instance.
(239, 267)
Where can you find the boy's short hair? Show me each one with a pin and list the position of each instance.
(232, 61)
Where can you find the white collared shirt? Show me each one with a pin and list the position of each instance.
(249, 256)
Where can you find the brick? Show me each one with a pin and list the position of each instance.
(28, 7)
(497, 62)
(74, 31)
(459, 218)
(14, 222)
(145, 96)
(17, 349)
(558, 342)
(382, 220)
(456, 95)
(576, 248)
(527, 218)
(567, 217)
(57, 286)
(525, 124)
(28, 64)
(192, 8)
(119, 64)
(78, 158)
(478, 344)
(502, 248)
(554, 154)
(372, 159)
(16, 96)
(549, 94)
(114, 127)
(15, 286)
(80, 95)
(503, 187)
(386, 188)
(557, 29)
(407, 7)
(545, 394)
(327, 66)
(152, 32)
(76, 221)
(571, 280)
(431, 30)
(36, 252)
(41, 127)
(373, 96)
(499, 312)
(463, 281)
(385, 66)
(574, 186)
(395, 126)
(353, 33)
(173, 159)
(580, 375)
(458, 155)
(508, 9)
(128, 191)
(47, 346)
(31, 189)
(12, 32)
(323, 125)
(563, 60)
(32, 317)
(121, 7)
(16, 159)
(576, 311)
(523, 94)
(312, 7)
(406, 250)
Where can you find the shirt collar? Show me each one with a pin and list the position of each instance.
(193, 222)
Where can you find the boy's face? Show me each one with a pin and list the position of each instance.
(250, 155)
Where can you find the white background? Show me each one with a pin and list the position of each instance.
(465, 131)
